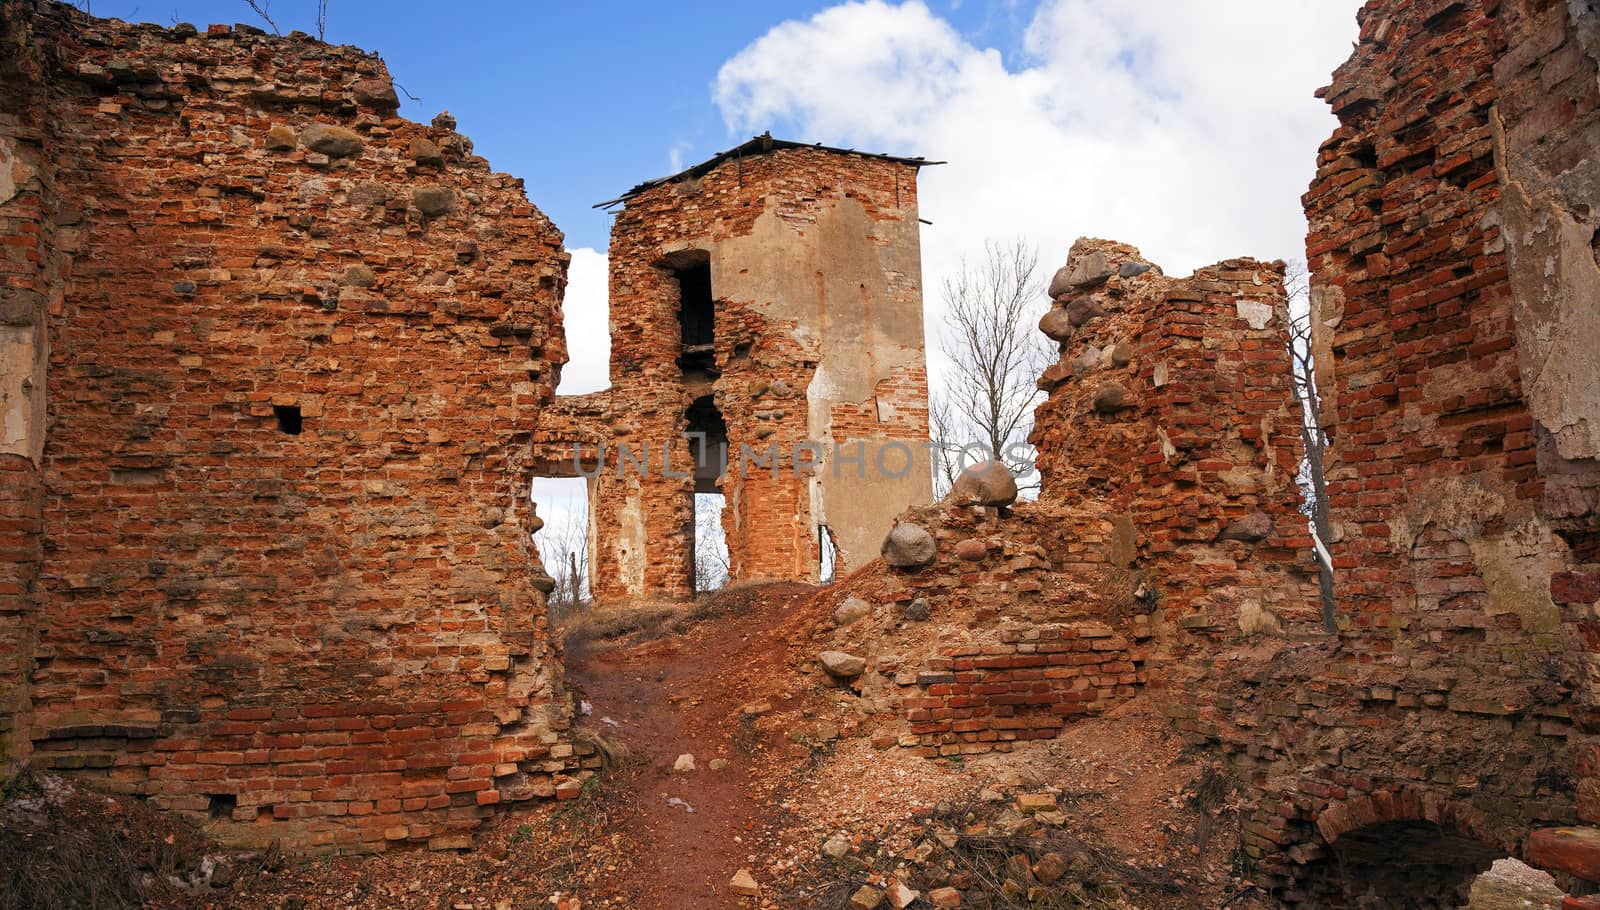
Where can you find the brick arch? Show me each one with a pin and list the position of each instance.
(1404, 804)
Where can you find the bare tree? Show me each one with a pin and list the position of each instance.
(1313, 480)
(946, 448)
(564, 550)
(711, 548)
(263, 8)
(995, 347)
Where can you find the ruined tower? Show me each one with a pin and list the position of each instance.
(765, 304)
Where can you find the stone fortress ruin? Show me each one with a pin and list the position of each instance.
(766, 339)
(279, 366)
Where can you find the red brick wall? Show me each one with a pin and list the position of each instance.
(29, 266)
(1208, 436)
(1029, 685)
(326, 638)
(21, 507)
(1459, 512)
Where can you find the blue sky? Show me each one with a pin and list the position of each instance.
(1188, 129)
(582, 100)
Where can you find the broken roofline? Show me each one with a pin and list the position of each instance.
(759, 145)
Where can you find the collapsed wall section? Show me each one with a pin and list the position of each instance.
(1167, 529)
(1170, 441)
(295, 352)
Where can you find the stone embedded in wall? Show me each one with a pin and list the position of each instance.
(908, 546)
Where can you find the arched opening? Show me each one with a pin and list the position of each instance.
(1399, 865)
(1396, 850)
(708, 449)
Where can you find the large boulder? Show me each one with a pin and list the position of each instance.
(987, 483)
(908, 546)
(433, 200)
(1084, 271)
(377, 94)
(1083, 309)
(1111, 397)
(842, 665)
(1253, 528)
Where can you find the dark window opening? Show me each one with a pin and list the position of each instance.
(222, 805)
(288, 416)
(697, 315)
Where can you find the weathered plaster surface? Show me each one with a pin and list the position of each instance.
(831, 279)
(1555, 282)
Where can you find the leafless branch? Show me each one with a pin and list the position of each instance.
(322, 20)
(711, 550)
(947, 452)
(990, 309)
(262, 8)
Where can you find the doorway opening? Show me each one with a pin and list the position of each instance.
(710, 543)
(708, 448)
(562, 503)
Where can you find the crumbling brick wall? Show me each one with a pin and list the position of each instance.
(29, 277)
(1171, 441)
(1168, 526)
(988, 643)
(1452, 295)
(296, 351)
(813, 257)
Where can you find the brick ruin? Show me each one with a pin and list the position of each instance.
(1451, 719)
(766, 344)
(1453, 274)
(255, 562)
(1168, 523)
(273, 356)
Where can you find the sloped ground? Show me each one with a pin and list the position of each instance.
(1113, 814)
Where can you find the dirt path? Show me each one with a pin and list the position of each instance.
(683, 694)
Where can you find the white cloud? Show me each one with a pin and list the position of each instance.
(586, 311)
(1187, 129)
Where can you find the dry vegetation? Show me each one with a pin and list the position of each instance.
(64, 848)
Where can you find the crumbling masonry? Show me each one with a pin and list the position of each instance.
(279, 366)
(1452, 719)
(272, 358)
(766, 344)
